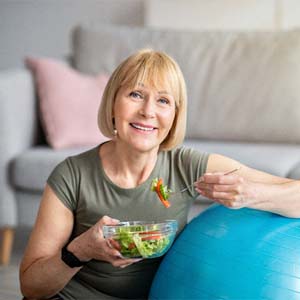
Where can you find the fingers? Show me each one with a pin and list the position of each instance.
(217, 186)
(236, 202)
(113, 248)
(113, 244)
(117, 260)
(105, 249)
(234, 188)
(222, 196)
(115, 257)
(106, 220)
(123, 263)
(228, 190)
(109, 249)
(219, 178)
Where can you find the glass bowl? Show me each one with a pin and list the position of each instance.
(140, 238)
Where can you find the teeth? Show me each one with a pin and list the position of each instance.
(142, 128)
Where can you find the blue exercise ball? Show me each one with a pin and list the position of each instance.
(232, 254)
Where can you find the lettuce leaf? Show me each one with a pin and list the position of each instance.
(136, 245)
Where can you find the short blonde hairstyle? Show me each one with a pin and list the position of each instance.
(155, 69)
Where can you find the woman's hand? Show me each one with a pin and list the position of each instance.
(230, 190)
(248, 187)
(92, 245)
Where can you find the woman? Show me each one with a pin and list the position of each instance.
(143, 111)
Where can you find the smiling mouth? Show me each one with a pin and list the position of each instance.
(140, 127)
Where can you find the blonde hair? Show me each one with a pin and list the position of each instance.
(153, 68)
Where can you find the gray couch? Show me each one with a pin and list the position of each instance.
(244, 102)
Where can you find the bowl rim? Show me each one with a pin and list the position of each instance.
(164, 227)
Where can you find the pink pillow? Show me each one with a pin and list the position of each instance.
(69, 103)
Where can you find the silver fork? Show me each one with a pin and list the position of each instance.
(187, 187)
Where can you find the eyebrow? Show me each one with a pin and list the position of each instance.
(163, 92)
(159, 92)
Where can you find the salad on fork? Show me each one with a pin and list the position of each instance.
(164, 193)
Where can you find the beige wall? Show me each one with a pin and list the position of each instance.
(290, 13)
(223, 14)
(35, 27)
(43, 27)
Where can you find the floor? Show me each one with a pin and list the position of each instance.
(9, 275)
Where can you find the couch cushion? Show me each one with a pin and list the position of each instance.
(294, 173)
(69, 103)
(30, 170)
(277, 159)
(242, 86)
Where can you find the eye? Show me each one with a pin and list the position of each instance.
(163, 101)
(135, 94)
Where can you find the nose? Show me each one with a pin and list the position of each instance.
(148, 108)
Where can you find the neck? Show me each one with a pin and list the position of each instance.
(127, 167)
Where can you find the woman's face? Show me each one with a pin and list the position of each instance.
(143, 116)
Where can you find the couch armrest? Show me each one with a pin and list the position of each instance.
(18, 131)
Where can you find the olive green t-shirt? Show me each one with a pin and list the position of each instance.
(82, 185)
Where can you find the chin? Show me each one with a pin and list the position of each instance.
(146, 148)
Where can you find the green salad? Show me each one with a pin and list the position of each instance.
(135, 242)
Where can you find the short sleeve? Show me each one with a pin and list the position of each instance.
(190, 165)
(62, 180)
(193, 162)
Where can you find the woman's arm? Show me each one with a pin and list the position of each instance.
(248, 187)
(42, 272)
